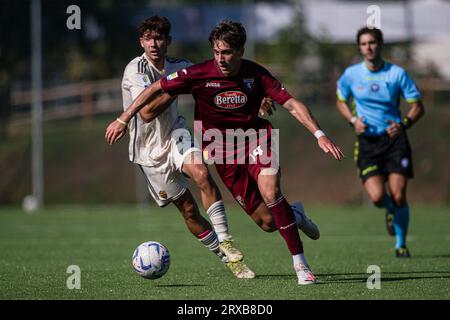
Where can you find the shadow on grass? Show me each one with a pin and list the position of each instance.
(178, 285)
(439, 256)
(275, 276)
(388, 272)
(385, 276)
(362, 277)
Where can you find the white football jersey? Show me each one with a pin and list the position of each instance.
(150, 142)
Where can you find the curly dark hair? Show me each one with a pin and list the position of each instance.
(156, 23)
(373, 31)
(230, 32)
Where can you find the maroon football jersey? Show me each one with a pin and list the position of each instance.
(226, 102)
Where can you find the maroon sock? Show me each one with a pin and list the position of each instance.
(285, 222)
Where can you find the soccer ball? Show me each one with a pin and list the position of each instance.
(151, 260)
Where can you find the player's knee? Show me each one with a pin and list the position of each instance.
(201, 177)
(269, 195)
(378, 203)
(399, 199)
(265, 222)
(192, 217)
(377, 199)
(268, 226)
(189, 211)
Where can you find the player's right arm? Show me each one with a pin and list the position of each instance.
(303, 114)
(163, 100)
(356, 122)
(343, 94)
(156, 107)
(146, 98)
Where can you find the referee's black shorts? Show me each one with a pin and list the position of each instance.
(382, 155)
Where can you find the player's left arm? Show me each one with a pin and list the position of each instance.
(303, 114)
(416, 108)
(416, 111)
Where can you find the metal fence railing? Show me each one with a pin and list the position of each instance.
(90, 98)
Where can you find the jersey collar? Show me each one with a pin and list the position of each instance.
(161, 72)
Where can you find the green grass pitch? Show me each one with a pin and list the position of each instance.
(36, 250)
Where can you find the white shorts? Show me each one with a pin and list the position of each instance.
(166, 181)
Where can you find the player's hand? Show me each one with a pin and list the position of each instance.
(115, 131)
(267, 107)
(360, 126)
(394, 128)
(328, 146)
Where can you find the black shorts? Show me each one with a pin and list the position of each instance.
(382, 155)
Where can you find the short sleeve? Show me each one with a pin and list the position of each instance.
(178, 82)
(135, 81)
(408, 88)
(343, 91)
(274, 89)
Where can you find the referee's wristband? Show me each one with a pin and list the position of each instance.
(407, 123)
(318, 134)
(121, 121)
(353, 120)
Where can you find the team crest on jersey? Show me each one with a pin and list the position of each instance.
(163, 194)
(146, 80)
(249, 83)
(230, 99)
(374, 87)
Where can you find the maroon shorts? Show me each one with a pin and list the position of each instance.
(242, 181)
(240, 174)
(238, 178)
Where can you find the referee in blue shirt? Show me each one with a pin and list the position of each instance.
(368, 97)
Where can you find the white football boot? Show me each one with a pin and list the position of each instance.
(240, 270)
(233, 254)
(306, 225)
(304, 274)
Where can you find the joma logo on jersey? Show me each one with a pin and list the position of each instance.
(230, 99)
(213, 84)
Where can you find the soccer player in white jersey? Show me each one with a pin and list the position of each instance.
(163, 150)
(228, 91)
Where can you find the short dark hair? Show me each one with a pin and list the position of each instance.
(373, 31)
(230, 32)
(156, 23)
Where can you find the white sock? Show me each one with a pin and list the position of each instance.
(211, 242)
(299, 259)
(217, 215)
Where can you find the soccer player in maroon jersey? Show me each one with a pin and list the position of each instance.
(228, 91)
